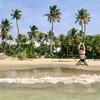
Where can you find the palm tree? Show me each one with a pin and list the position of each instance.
(10, 37)
(41, 37)
(53, 16)
(33, 33)
(32, 37)
(62, 39)
(16, 14)
(5, 28)
(72, 38)
(56, 43)
(83, 17)
(46, 37)
(23, 38)
(72, 33)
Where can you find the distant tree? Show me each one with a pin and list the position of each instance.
(83, 17)
(33, 33)
(10, 37)
(16, 14)
(53, 16)
(41, 38)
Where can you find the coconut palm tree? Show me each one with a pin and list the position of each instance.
(83, 17)
(33, 33)
(16, 14)
(5, 28)
(41, 38)
(53, 16)
(23, 38)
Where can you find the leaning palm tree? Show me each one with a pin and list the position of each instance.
(53, 16)
(5, 28)
(16, 14)
(83, 17)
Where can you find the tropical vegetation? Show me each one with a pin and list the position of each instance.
(36, 44)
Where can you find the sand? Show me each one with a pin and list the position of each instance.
(13, 64)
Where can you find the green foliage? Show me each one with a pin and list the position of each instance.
(49, 45)
(22, 55)
(43, 49)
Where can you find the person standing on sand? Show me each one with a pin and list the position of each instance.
(81, 55)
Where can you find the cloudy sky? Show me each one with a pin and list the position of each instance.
(33, 14)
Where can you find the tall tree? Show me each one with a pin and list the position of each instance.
(16, 14)
(83, 17)
(53, 16)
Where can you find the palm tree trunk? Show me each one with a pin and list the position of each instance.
(52, 27)
(3, 45)
(18, 34)
(51, 39)
(82, 27)
(84, 32)
(17, 26)
(32, 46)
(10, 42)
(67, 52)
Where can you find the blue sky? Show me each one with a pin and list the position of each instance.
(33, 14)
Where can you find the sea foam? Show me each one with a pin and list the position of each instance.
(82, 79)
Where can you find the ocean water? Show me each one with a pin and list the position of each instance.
(50, 92)
(49, 85)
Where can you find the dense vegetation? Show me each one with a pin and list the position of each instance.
(49, 45)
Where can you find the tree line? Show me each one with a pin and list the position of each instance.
(49, 45)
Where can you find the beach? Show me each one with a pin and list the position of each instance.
(13, 68)
(8, 64)
(49, 79)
